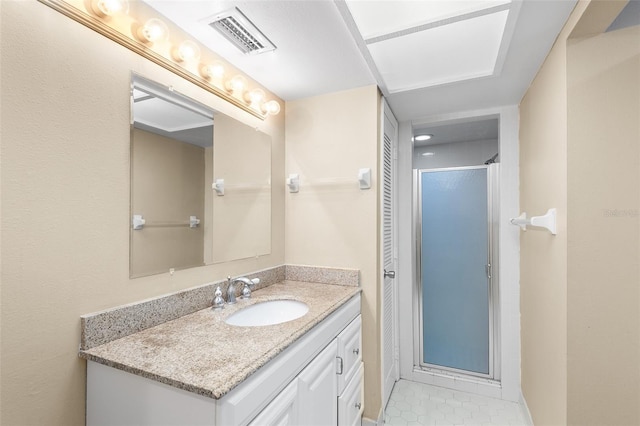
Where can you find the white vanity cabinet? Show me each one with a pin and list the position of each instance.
(329, 389)
(317, 380)
(310, 399)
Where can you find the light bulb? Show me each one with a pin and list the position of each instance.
(187, 51)
(153, 30)
(236, 84)
(271, 107)
(105, 8)
(213, 70)
(254, 96)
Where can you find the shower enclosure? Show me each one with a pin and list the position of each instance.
(456, 293)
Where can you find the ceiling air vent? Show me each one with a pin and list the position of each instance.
(240, 31)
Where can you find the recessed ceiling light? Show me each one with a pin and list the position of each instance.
(421, 138)
(428, 154)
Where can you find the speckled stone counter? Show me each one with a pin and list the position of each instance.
(200, 353)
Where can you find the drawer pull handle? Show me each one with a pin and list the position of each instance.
(358, 405)
(356, 351)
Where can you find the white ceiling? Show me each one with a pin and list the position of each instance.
(427, 56)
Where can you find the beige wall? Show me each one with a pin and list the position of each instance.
(604, 223)
(331, 222)
(65, 203)
(580, 300)
(543, 257)
(167, 187)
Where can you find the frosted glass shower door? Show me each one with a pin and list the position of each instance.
(455, 283)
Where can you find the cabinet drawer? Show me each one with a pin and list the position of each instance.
(350, 352)
(350, 403)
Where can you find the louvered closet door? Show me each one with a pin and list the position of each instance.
(389, 364)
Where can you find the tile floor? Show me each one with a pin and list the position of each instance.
(415, 404)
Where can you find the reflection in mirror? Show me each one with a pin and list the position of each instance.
(178, 219)
(171, 140)
(242, 159)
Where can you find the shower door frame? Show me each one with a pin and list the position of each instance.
(493, 209)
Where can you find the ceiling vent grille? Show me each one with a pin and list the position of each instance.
(240, 31)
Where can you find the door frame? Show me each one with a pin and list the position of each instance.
(508, 272)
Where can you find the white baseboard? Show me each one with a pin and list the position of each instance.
(525, 411)
(368, 422)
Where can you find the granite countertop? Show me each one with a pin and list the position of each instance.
(201, 353)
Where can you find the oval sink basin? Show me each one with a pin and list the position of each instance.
(268, 313)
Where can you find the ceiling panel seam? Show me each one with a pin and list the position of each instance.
(435, 24)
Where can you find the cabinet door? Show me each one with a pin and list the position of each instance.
(350, 351)
(282, 411)
(317, 390)
(350, 403)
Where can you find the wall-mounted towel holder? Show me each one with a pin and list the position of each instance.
(363, 179)
(138, 222)
(293, 182)
(547, 221)
(218, 186)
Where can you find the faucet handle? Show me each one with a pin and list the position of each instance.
(218, 301)
(248, 285)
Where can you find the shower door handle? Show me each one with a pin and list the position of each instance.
(389, 274)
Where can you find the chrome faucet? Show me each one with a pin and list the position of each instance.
(231, 291)
(248, 285)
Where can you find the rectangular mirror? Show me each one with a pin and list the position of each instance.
(180, 218)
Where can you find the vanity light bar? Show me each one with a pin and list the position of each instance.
(149, 38)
